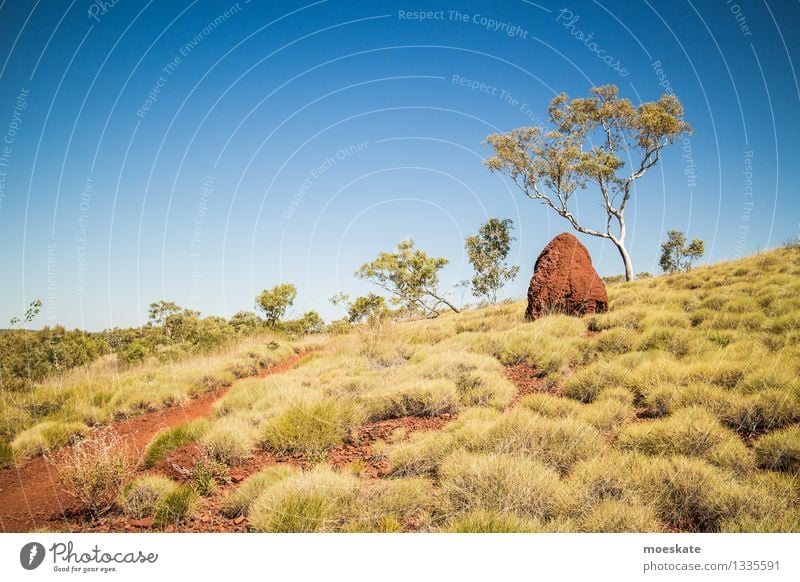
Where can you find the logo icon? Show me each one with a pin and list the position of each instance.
(31, 555)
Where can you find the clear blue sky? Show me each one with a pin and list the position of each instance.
(203, 151)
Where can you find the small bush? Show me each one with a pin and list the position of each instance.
(311, 429)
(141, 497)
(779, 450)
(167, 440)
(177, 506)
(47, 436)
(502, 483)
(94, 471)
(229, 441)
(207, 474)
(316, 501)
(239, 501)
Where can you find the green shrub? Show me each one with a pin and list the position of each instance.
(141, 497)
(169, 439)
(310, 429)
(177, 506)
(779, 450)
(503, 483)
(239, 501)
(207, 474)
(319, 500)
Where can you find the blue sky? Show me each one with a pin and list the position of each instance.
(203, 151)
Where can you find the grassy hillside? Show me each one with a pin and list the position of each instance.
(62, 409)
(676, 410)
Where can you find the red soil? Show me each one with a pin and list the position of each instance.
(33, 498)
(528, 380)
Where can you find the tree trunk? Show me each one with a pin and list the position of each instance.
(626, 259)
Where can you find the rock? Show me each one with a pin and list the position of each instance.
(239, 520)
(564, 281)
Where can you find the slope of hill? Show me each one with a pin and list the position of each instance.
(677, 410)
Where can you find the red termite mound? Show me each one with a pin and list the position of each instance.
(564, 281)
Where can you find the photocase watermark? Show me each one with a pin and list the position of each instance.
(31, 555)
(82, 234)
(686, 144)
(490, 24)
(100, 8)
(738, 15)
(67, 559)
(569, 21)
(206, 193)
(502, 94)
(747, 207)
(7, 146)
(184, 51)
(320, 170)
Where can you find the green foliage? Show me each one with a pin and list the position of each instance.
(410, 276)
(677, 254)
(488, 251)
(27, 357)
(274, 302)
(246, 322)
(311, 322)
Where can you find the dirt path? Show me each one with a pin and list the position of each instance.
(30, 495)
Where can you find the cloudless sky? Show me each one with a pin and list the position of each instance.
(202, 151)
